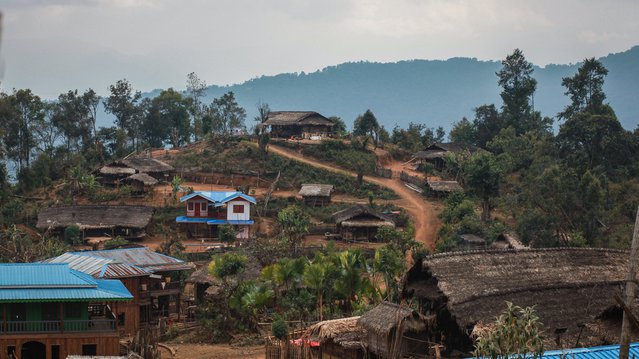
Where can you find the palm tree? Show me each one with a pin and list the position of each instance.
(315, 277)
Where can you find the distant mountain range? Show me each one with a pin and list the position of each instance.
(435, 93)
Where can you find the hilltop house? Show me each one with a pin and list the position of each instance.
(303, 124)
(572, 290)
(206, 210)
(116, 172)
(97, 222)
(152, 278)
(435, 153)
(50, 311)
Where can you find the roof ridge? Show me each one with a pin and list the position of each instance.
(523, 250)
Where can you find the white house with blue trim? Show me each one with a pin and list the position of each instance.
(206, 210)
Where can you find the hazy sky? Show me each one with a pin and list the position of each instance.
(52, 46)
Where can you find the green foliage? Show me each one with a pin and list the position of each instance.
(585, 89)
(73, 234)
(294, 224)
(229, 264)
(366, 125)
(227, 233)
(279, 329)
(224, 115)
(18, 247)
(516, 333)
(483, 176)
(115, 243)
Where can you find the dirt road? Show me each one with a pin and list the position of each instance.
(422, 212)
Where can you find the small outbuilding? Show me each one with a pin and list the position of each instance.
(302, 124)
(141, 183)
(395, 331)
(435, 153)
(441, 189)
(360, 223)
(472, 241)
(338, 338)
(115, 172)
(316, 194)
(129, 222)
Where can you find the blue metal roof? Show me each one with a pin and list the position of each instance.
(601, 352)
(185, 219)
(229, 221)
(219, 197)
(43, 282)
(98, 267)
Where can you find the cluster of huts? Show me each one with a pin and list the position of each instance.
(139, 173)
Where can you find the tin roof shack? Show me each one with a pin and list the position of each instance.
(115, 172)
(52, 311)
(141, 183)
(435, 153)
(129, 222)
(151, 277)
(338, 338)
(440, 189)
(303, 124)
(395, 331)
(569, 287)
(316, 194)
(360, 223)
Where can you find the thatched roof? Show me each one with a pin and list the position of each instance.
(567, 285)
(386, 316)
(444, 186)
(344, 332)
(145, 165)
(116, 170)
(508, 240)
(202, 276)
(95, 216)
(287, 118)
(142, 178)
(472, 239)
(316, 190)
(438, 150)
(361, 213)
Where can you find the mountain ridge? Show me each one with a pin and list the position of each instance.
(432, 92)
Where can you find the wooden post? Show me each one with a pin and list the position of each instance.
(631, 287)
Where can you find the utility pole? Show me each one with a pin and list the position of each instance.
(631, 287)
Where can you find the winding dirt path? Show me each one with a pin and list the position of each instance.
(422, 212)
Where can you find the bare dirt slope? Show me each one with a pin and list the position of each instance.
(422, 212)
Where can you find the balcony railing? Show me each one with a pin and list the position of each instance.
(59, 326)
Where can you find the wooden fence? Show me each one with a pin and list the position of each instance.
(383, 172)
(415, 180)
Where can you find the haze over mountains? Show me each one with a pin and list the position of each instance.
(435, 93)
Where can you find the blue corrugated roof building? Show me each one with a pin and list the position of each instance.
(47, 282)
(601, 352)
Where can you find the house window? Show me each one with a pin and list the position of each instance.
(203, 206)
(190, 206)
(89, 349)
(238, 208)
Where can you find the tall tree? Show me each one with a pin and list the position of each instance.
(195, 90)
(518, 88)
(171, 111)
(23, 113)
(367, 125)
(123, 104)
(585, 89)
(225, 115)
(483, 175)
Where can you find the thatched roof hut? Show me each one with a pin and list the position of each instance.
(387, 327)
(298, 123)
(316, 194)
(95, 216)
(569, 287)
(360, 222)
(443, 188)
(339, 338)
(146, 165)
(435, 153)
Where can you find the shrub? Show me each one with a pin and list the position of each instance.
(279, 328)
(72, 234)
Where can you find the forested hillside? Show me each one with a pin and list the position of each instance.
(436, 93)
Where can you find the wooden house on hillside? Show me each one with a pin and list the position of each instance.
(141, 183)
(116, 172)
(98, 221)
(152, 278)
(572, 290)
(441, 189)
(206, 210)
(395, 331)
(50, 311)
(360, 223)
(316, 194)
(435, 153)
(301, 124)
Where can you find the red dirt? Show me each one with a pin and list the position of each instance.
(222, 351)
(422, 212)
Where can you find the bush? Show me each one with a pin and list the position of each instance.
(72, 234)
(115, 243)
(227, 233)
(279, 328)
